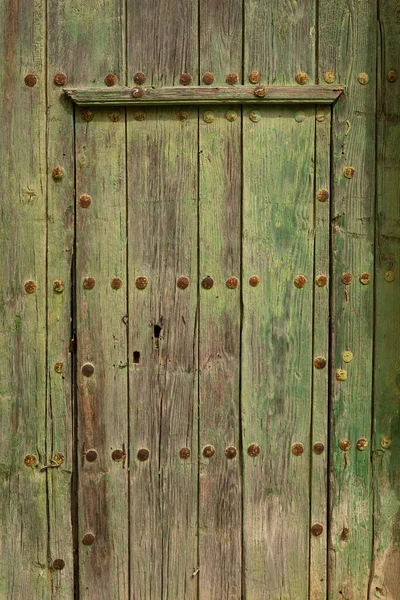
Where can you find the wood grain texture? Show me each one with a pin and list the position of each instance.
(24, 568)
(353, 131)
(278, 245)
(385, 572)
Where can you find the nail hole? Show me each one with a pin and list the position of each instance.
(157, 331)
(136, 356)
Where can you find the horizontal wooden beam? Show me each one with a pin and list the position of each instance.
(241, 94)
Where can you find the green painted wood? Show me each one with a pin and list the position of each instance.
(278, 246)
(385, 572)
(353, 136)
(24, 568)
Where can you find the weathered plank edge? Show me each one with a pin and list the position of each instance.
(243, 94)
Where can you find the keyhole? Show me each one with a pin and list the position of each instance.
(136, 356)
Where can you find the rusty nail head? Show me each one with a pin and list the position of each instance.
(60, 78)
(349, 172)
(117, 455)
(208, 451)
(137, 93)
(230, 452)
(141, 282)
(232, 283)
(255, 77)
(322, 280)
(87, 370)
(59, 458)
(260, 91)
(320, 362)
(365, 278)
(30, 287)
(300, 117)
(232, 78)
(347, 356)
(345, 533)
(208, 78)
(362, 444)
(116, 283)
(389, 276)
(91, 455)
(341, 375)
(143, 454)
(85, 200)
(58, 367)
(231, 116)
(88, 539)
(207, 283)
(319, 447)
(345, 445)
(183, 282)
(58, 564)
(185, 79)
(297, 449)
(139, 78)
(114, 116)
(392, 76)
(208, 116)
(301, 77)
(89, 283)
(329, 77)
(347, 278)
(30, 80)
(363, 78)
(323, 195)
(58, 173)
(30, 460)
(139, 116)
(386, 442)
(110, 79)
(184, 453)
(320, 117)
(254, 116)
(317, 529)
(86, 114)
(183, 115)
(253, 450)
(254, 281)
(58, 286)
(300, 281)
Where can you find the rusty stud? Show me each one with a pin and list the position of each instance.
(349, 172)
(184, 453)
(254, 281)
(341, 375)
(183, 282)
(345, 534)
(323, 195)
(208, 116)
(260, 91)
(321, 280)
(185, 79)
(137, 93)
(89, 283)
(329, 77)
(365, 278)
(182, 115)
(300, 281)
(114, 116)
(117, 455)
(110, 79)
(139, 116)
(230, 452)
(58, 286)
(317, 529)
(58, 366)
(253, 450)
(116, 283)
(30, 460)
(392, 76)
(232, 78)
(254, 116)
(30, 80)
(345, 445)
(139, 78)
(301, 78)
(299, 117)
(207, 283)
(389, 276)
(362, 444)
(208, 451)
(320, 117)
(297, 449)
(30, 287)
(386, 442)
(87, 370)
(86, 114)
(232, 283)
(59, 458)
(320, 362)
(91, 455)
(88, 539)
(141, 283)
(58, 173)
(347, 278)
(255, 77)
(58, 564)
(231, 116)
(143, 454)
(319, 447)
(363, 78)
(208, 78)
(60, 78)
(347, 356)
(85, 200)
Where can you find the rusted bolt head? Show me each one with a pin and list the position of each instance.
(58, 173)
(139, 78)
(141, 282)
(363, 78)
(386, 442)
(253, 450)
(297, 449)
(345, 445)
(30, 80)
(255, 77)
(184, 453)
(208, 116)
(323, 195)
(254, 116)
(30, 286)
(389, 276)
(207, 283)
(116, 283)
(208, 451)
(341, 375)
(299, 117)
(317, 529)
(365, 278)
(231, 116)
(392, 76)
(301, 77)
(362, 444)
(139, 116)
(349, 172)
(208, 78)
(260, 91)
(30, 460)
(347, 356)
(59, 458)
(117, 455)
(185, 79)
(137, 93)
(91, 455)
(319, 447)
(89, 283)
(320, 362)
(87, 370)
(254, 281)
(230, 452)
(143, 454)
(85, 200)
(232, 78)
(300, 281)
(110, 79)
(182, 115)
(329, 77)
(58, 366)
(232, 283)
(58, 564)
(347, 278)
(88, 539)
(182, 282)
(58, 286)
(322, 280)
(60, 78)
(114, 116)
(86, 114)
(345, 534)
(320, 117)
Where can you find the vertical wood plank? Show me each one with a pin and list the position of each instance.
(353, 192)
(278, 247)
(24, 570)
(385, 573)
